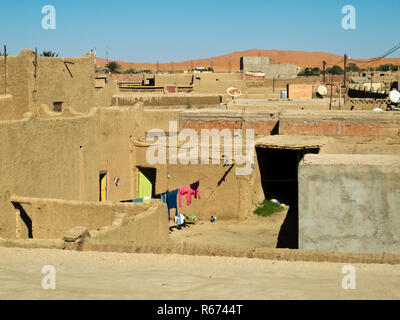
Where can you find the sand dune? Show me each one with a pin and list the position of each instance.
(232, 61)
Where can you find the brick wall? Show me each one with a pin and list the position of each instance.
(260, 127)
(331, 127)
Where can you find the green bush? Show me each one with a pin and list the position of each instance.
(267, 208)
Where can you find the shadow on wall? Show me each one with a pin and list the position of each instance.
(27, 222)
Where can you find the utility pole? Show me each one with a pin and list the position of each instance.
(5, 69)
(273, 84)
(330, 102)
(107, 53)
(372, 75)
(345, 66)
(324, 70)
(36, 62)
(230, 66)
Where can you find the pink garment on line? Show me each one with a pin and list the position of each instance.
(182, 191)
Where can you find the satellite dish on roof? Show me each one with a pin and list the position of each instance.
(394, 96)
(233, 92)
(322, 90)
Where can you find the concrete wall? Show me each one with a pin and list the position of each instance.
(350, 203)
(285, 71)
(254, 64)
(262, 64)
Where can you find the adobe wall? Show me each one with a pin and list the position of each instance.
(50, 158)
(52, 219)
(300, 91)
(224, 194)
(68, 80)
(167, 100)
(165, 79)
(19, 75)
(103, 96)
(7, 108)
(220, 86)
(349, 203)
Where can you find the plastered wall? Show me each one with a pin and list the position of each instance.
(350, 203)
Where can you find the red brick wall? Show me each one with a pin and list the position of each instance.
(322, 128)
(260, 127)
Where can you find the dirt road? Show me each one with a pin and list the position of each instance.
(95, 275)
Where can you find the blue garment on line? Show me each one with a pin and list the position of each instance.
(171, 201)
(164, 197)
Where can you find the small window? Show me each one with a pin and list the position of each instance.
(57, 106)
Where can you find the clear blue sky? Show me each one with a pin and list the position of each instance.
(177, 30)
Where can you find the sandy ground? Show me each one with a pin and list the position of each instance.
(96, 275)
(254, 232)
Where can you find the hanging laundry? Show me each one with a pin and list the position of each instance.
(182, 191)
(171, 201)
(164, 197)
(195, 187)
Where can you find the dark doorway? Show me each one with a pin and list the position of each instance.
(147, 180)
(278, 169)
(103, 186)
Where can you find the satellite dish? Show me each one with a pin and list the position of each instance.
(394, 96)
(234, 92)
(322, 90)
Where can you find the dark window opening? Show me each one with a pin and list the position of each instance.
(278, 170)
(57, 106)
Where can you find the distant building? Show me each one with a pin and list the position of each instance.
(263, 65)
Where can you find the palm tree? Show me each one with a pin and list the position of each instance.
(113, 67)
(49, 53)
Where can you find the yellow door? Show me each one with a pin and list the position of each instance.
(145, 187)
(103, 188)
